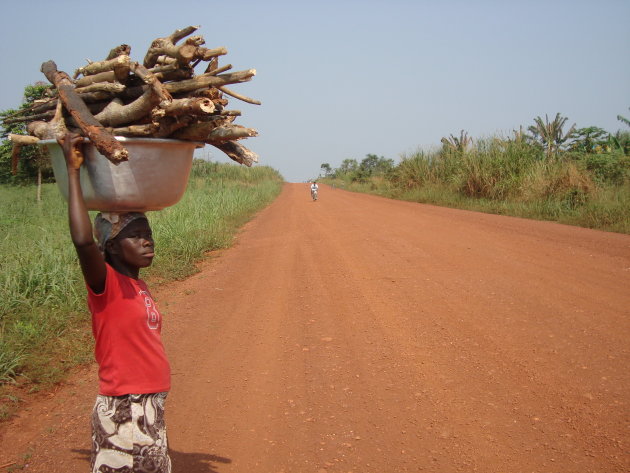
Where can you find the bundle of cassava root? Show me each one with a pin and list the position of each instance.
(160, 98)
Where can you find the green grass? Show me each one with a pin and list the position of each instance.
(44, 323)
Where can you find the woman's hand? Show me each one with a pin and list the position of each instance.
(72, 146)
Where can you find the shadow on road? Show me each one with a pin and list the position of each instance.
(196, 462)
(182, 462)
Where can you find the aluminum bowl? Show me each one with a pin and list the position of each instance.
(153, 178)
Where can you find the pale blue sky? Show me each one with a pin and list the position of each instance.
(343, 79)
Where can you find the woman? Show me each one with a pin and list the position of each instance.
(128, 430)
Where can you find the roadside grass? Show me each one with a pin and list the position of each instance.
(510, 178)
(44, 323)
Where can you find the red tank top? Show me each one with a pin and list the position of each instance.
(126, 325)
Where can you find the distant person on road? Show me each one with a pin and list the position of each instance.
(314, 190)
(128, 429)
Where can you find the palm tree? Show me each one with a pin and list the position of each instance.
(623, 119)
(550, 134)
(460, 144)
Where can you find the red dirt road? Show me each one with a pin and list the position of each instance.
(360, 334)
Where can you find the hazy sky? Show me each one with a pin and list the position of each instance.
(346, 78)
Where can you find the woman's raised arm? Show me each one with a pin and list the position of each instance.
(90, 257)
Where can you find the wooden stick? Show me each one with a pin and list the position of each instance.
(239, 96)
(51, 129)
(43, 106)
(23, 139)
(163, 68)
(107, 76)
(166, 47)
(104, 92)
(162, 128)
(181, 34)
(148, 129)
(184, 53)
(186, 106)
(122, 61)
(176, 75)
(237, 152)
(109, 87)
(212, 66)
(57, 125)
(168, 125)
(99, 96)
(172, 72)
(211, 133)
(28, 118)
(38, 129)
(211, 93)
(116, 113)
(195, 40)
(206, 54)
(152, 81)
(19, 141)
(230, 113)
(196, 131)
(219, 70)
(165, 60)
(207, 80)
(123, 49)
(230, 133)
(103, 140)
(15, 156)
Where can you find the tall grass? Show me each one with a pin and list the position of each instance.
(44, 325)
(514, 178)
(39, 284)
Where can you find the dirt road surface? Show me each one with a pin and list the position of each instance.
(360, 334)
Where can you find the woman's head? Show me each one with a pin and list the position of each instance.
(125, 238)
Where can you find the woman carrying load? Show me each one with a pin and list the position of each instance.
(128, 430)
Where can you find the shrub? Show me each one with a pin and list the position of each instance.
(612, 168)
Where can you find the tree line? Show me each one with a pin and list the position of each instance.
(34, 162)
(549, 138)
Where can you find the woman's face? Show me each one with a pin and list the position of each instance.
(134, 244)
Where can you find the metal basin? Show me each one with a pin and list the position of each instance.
(153, 178)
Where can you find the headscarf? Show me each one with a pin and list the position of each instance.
(109, 224)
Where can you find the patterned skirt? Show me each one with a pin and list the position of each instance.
(129, 434)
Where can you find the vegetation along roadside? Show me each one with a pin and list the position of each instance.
(576, 176)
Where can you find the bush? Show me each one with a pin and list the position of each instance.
(612, 168)
(412, 171)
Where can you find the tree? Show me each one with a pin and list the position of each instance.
(347, 166)
(368, 165)
(550, 134)
(587, 140)
(621, 141)
(384, 165)
(375, 165)
(326, 168)
(34, 162)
